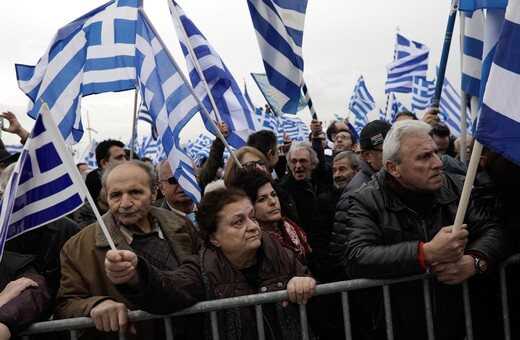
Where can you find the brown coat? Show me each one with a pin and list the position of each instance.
(84, 283)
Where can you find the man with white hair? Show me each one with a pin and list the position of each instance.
(400, 224)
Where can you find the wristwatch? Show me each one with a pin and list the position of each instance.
(480, 264)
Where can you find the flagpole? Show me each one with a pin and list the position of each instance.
(134, 124)
(463, 106)
(309, 100)
(188, 85)
(195, 60)
(445, 52)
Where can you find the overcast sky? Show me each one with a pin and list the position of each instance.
(343, 39)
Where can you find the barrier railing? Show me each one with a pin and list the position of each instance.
(343, 287)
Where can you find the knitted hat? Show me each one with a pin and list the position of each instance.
(373, 134)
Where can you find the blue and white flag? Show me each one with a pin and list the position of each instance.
(269, 94)
(472, 55)
(361, 101)
(295, 128)
(169, 101)
(201, 142)
(422, 93)
(499, 124)
(231, 103)
(93, 54)
(411, 59)
(472, 5)
(382, 115)
(450, 108)
(89, 155)
(397, 107)
(279, 30)
(144, 115)
(267, 121)
(153, 149)
(13, 148)
(246, 96)
(45, 184)
(136, 148)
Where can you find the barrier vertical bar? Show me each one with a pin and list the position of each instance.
(122, 336)
(388, 313)
(168, 328)
(260, 321)
(467, 311)
(303, 322)
(73, 334)
(214, 325)
(505, 304)
(428, 309)
(346, 315)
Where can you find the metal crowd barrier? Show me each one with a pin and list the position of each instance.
(343, 287)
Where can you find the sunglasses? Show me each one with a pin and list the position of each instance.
(172, 180)
(252, 164)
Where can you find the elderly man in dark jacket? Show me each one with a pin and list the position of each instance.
(400, 224)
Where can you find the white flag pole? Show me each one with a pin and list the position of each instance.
(68, 162)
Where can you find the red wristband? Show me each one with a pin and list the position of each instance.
(420, 255)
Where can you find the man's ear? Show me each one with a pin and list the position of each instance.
(393, 169)
(213, 239)
(103, 163)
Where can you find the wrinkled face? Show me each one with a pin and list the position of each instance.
(248, 159)
(342, 173)
(420, 168)
(374, 157)
(129, 195)
(267, 205)
(171, 190)
(342, 142)
(238, 233)
(300, 165)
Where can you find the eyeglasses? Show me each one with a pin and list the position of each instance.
(302, 161)
(341, 137)
(172, 180)
(252, 164)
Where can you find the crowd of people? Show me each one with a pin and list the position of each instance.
(277, 217)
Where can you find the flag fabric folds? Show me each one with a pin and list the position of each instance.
(153, 149)
(472, 54)
(269, 94)
(472, 5)
(231, 103)
(396, 108)
(361, 101)
(89, 155)
(422, 93)
(411, 59)
(168, 99)
(279, 31)
(93, 54)
(450, 108)
(144, 115)
(267, 121)
(295, 128)
(44, 184)
(201, 142)
(499, 124)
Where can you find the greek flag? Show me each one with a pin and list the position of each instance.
(44, 184)
(450, 109)
(472, 54)
(14, 148)
(269, 94)
(295, 128)
(411, 59)
(201, 142)
(89, 155)
(499, 124)
(153, 149)
(279, 30)
(246, 96)
(168, 99)
(397, 107)
(422, 93)
(93, 54)
(472, 5)
(144, 115)
(382, 115)
(136, 147)
(231, 104)
(361, 103)
(267, 121)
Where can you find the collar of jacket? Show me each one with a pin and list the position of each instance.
(444, 195)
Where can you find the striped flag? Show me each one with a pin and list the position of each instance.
(396, 108)
(93, 54)
(45, 183)
(269, 94)
(231, 103)
(472, 55)
(422, 93)
(14, 148)
(136, 147)
(279, 30)
(201, 142)
(246, 96)
(499, 124)
(295, 128)
(144, 115)
(450, 109)
(89, 155)
(361, 103)
(267, 121)
(472, 5)
(411, 60)
(153, 149)
(382, 115)
(168, 99)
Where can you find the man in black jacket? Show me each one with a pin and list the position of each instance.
(400, 224)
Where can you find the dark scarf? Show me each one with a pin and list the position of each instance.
(420, 202)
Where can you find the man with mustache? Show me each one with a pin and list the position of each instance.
(401, 224)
